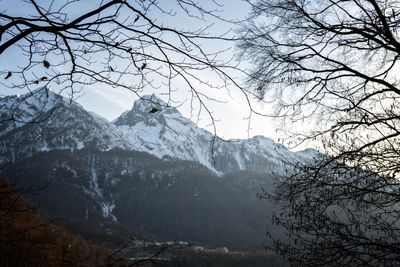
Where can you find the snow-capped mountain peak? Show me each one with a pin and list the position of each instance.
(150, 126)
(42, 121)
(32, 107)
(154, 127)
(147, 102)
(149, 108)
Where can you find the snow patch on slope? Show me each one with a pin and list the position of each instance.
(107, 207)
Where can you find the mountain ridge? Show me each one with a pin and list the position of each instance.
(150, 126)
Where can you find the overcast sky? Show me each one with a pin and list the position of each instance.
(231, 123)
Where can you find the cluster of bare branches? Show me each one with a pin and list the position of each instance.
(133, 44)
(334, 64)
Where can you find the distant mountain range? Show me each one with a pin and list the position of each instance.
(164, 133)
(151, 169)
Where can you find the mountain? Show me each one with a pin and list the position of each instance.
(151, 170)
(44, 121)
(166, 133)
(61, 124)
